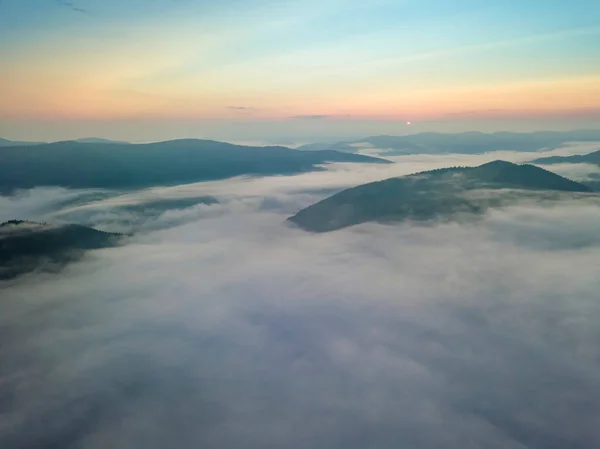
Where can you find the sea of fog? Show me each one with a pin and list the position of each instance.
(218, 325)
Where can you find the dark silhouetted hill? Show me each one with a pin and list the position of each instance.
(94, 165)
(438, 194)
(27, 246)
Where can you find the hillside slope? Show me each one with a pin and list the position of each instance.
(26, 246)
(590, 158)
(94, 165)
(444, 193)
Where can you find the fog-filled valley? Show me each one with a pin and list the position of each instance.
(214, 322)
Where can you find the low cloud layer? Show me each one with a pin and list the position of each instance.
(219, 326)
(41, 203)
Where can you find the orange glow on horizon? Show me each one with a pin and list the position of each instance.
(112, 95)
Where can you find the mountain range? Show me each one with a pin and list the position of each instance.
(98, 140)
(446, 193)
(115, 165)
(465, 143)
(18, 143)
(590, 158)
(27, 246)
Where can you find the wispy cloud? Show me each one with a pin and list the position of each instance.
(242, 108)
(72, 6)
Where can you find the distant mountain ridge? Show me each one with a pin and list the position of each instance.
(16, 143)
(27, 246)
(590, 158)
(438, 194)
(113, 165)
(99, 140)
(462, 143)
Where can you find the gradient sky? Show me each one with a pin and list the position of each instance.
(296, 70)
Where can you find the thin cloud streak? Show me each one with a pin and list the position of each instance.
(72, 6)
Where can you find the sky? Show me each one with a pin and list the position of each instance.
(295, 71)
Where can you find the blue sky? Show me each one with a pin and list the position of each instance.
(197, 66)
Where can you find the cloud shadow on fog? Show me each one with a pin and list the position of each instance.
(227, 329)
